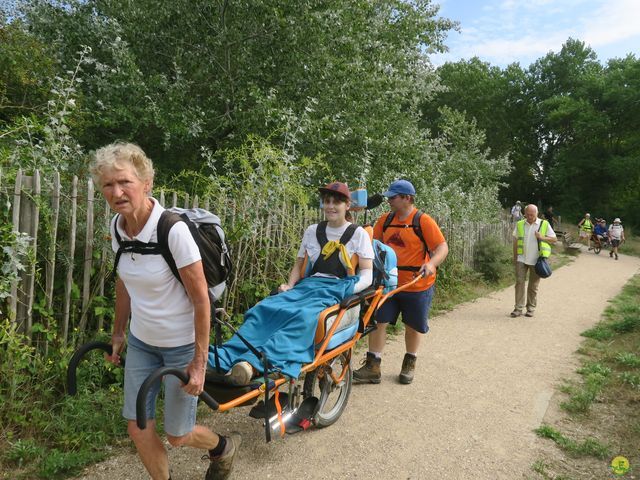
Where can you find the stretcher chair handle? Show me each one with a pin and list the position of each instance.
(72, 385)
(141, 400)
(357, 298)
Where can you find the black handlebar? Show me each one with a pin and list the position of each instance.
(141, 400)
(72, 385)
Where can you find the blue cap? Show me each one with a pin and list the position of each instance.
(400, 187)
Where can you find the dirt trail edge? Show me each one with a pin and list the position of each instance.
(483, 383)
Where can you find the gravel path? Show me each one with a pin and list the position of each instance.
(483, 383)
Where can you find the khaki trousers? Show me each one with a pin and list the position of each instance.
(532, 289)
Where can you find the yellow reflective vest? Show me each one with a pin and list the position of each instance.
(587, 226)
(544, 249)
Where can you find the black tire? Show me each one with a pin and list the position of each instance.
(335, 400)
(596, 250)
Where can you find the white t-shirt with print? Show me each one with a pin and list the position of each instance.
(531, 254)
(162, 314)
(615, 231)
(359, 244)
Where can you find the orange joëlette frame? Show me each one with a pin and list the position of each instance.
(377, 299)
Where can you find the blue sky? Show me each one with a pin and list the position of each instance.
(504, 31)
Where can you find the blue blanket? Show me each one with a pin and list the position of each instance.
(284, 325)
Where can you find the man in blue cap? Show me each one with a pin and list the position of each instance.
(420, 247)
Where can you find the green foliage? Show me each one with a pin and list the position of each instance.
(599, 332)
(567, 124)
(22, 452)
(15, 247)
(491, 258)
(56, 462)
(596, 376)
(632, 379)
(26, 68)
(628, 359)
(46, 431)
(589, 447)
(340, 79)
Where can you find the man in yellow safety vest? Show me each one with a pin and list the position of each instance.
(532, 237)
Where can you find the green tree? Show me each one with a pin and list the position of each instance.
(342, 79)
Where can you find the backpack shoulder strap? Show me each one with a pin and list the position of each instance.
(417, 228)
(119, 252)
(321, 233)
(348, 233)
(388, 220)
(115, 229)
(167, 220)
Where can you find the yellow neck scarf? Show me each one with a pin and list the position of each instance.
(334, 245)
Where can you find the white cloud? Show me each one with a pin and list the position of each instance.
(613, 22)
(506, 31)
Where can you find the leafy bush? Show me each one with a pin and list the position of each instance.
(491, 258)
(40, 423)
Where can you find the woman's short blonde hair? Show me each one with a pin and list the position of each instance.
(116, 155)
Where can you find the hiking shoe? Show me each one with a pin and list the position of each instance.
(616, 256)
(240, 373)
(516, 313)
(611, 254)
(529, 313)
(221, 466)
(408, 367)
(370, 370)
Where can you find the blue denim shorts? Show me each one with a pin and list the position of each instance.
(414, 307)
(142, 360)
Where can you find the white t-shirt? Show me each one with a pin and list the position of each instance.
(615, 231)
(360, 243)
(530, 255)
(161, 311)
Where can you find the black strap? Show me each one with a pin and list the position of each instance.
(167, 220)
(409, 268)
(417, 229)
(332, 265)
(540, 228)
(321, 233)
(415, 225)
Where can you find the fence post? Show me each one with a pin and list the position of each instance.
(15, 220)
(104, 274)
(72, 250)
(88, 260)
(26, 217)
(51, 257)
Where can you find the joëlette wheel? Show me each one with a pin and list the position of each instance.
(333, 397)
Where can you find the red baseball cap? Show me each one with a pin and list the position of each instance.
(337, 187)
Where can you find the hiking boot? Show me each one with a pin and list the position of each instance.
(616, 256)
(408, 367)
(370, 370)
(529, 313)
(516, 313)
(611, 254)
(221, 466)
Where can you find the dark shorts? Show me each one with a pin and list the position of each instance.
(615, 243)
(414, 307)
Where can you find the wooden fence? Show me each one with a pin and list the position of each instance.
(66, 284)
